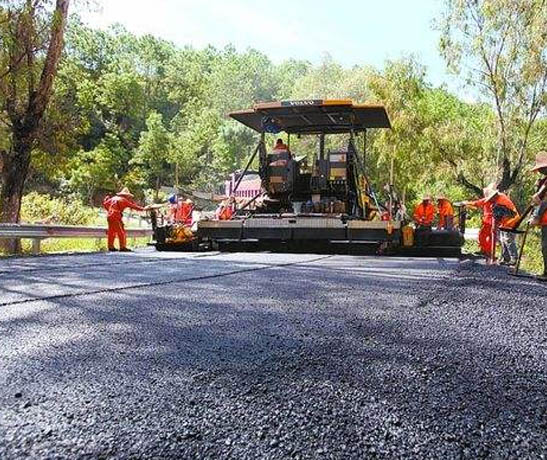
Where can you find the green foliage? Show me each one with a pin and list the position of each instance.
(43, 208)
(101, 168)
(154, 152)
(500, 46)
(141, 112)
(331, 81)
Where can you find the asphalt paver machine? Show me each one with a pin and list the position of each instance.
(327, 201)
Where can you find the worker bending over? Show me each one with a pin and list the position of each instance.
(540, 214)
(114, 213)
(424, 214)
(505, 215)
(446, 213)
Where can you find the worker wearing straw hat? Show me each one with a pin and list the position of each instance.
(114, 213)
(505, 214)
(540, 214)
(424, 214)
(485, 232)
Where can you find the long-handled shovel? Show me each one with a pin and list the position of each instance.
(493, 243)
(521, 252)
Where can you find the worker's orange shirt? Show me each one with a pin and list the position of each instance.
(486, 206)
(281, 147)
(225, 213)
(445, 210)
(424, 214)
(117, 204)
(184, 213)
(543, 219)
(501, 199)
(106, 202)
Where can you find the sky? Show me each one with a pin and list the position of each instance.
(353, 32)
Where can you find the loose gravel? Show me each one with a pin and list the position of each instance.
(270, 356)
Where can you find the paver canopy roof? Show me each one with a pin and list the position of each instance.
(313, 117)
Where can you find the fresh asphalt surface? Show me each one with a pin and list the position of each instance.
(232, 355)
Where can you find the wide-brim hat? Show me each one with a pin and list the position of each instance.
(125, 192)
(189, 201)
(490, 192)
(541, 161)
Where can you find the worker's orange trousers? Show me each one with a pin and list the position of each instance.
(485, 239)
(116, 229)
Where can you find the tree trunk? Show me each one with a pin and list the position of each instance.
(508, 175)
(16, 161)
(157, 192)
(15, 166)
(474, 189)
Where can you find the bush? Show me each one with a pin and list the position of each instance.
(41, 208)
(532, 259)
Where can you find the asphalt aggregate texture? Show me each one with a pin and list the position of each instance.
(234, 355)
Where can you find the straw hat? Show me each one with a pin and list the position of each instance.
(125, 192)
(189, 201)
(490, 191)
(541, 161)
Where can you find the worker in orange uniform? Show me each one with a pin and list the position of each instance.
(280, 145)
(114, 212)
(225, 210)
(505, 214)
(486, 231)
(184, 212)
(424, 214)
(540, 214)
(446, 213)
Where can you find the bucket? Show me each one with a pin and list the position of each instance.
(408, 236)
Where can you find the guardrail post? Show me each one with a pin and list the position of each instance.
(36, 246)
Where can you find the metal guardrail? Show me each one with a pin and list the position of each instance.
(37, 233)
(472, 234)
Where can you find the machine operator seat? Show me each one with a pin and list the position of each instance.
(281, 171)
